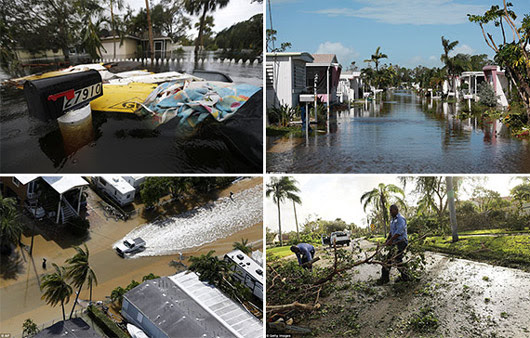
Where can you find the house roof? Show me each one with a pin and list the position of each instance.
(74, 328)
(62, 184)
(25, 179)
(183, 306)
(301, 55)
(113, 37)
(324, 58)
(119, 183)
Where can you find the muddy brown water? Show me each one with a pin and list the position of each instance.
(403, 133)
(470, 299)
(121, 142)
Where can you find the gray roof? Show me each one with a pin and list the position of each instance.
(183, 306)
(75, 327)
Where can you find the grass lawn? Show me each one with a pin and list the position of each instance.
(493, 231)
(511, 251)
(280, 251)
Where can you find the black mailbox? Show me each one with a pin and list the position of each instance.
(50, 98)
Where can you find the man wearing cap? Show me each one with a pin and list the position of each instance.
(397, 240)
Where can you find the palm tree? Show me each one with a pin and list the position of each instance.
(79, 271)
(452, 210)
(448, 46)
(281, 189)
(10, 227)
(196, 7)
(119, 5)
(243, 246)
(56, 289)
(376, 57)
(150, 28)
(210, 268)
(381, 196)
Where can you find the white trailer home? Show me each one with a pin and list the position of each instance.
(286, 77)
(117, 188)
(247, 271)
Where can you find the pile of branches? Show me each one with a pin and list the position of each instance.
(292, 288)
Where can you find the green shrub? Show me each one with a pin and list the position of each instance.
(283, 114)
(105, 323)
(487, 95)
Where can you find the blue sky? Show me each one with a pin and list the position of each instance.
(408, 31)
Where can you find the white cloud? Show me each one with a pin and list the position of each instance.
(344, 54)
(432, 58)
(462, 49)
(414, 12)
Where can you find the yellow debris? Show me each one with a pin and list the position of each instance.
(122, 98)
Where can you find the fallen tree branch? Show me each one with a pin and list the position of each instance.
(294, 305)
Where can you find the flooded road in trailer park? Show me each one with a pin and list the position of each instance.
(403, 133)
(119, 142)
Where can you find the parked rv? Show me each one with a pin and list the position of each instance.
(247, 271)
(117, 188)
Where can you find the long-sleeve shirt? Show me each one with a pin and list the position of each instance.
(398, 226)
(306, 253)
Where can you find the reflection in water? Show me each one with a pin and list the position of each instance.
(404, 134)
(117, 142)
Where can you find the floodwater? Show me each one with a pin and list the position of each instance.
(403, 133)
(20, 294)
(202, 225)
(119, 142)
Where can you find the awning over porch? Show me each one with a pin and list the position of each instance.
(25, 179)
(62, 184)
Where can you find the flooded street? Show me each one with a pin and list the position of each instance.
(468, 298)
(402, 134)
(121, 142)
(20, 295)
(201, 225)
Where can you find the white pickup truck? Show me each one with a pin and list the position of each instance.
(340, 238)
(130, 246)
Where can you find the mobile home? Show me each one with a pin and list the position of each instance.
(247, 271)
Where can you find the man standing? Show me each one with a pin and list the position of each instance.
(304, 252)
(397, 240)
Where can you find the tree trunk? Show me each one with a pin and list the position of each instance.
(385, 215)
(151, 48)
(113, 28)
(296, 221)
(452, 211)
(75, 302)
(199, 37)
(279, 223)
(90, 301)
(62, 306)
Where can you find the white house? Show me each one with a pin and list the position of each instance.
(286, 77)
(117, 188)
(350, 86)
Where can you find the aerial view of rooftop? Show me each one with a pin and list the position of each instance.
(131, 256)
(369, 86)
(131, 86)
